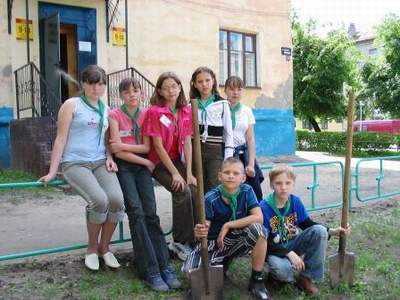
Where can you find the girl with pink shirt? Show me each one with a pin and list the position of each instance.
(134, 174)
(169, 124)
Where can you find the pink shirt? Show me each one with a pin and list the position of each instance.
(125, 124)
(160, 121)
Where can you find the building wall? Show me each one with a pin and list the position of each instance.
(179, 36)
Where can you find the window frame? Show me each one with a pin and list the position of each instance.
(244, 51)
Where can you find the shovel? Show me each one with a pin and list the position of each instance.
(341, 265)
(207, 281)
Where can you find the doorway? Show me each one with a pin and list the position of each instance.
(68, 45)
(68, 61)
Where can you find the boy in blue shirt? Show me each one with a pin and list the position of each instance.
(284, 214)
(233, 226)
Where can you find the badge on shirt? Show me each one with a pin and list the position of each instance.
(165, 121)
(125, 133)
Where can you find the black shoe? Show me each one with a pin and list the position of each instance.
(257, 289)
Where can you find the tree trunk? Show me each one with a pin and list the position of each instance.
(314, 124)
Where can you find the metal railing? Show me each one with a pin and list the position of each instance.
(33, 94)
(379, 179)
(314, 184)
(113, 80)
(35, 184)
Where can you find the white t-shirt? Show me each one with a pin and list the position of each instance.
(244, 118)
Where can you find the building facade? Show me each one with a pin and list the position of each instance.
(248, 38)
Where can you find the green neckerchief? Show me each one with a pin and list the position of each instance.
(203, 105)
(271, 200)
(134, 118)
(99, 110)
(232, 197)
(235, 109)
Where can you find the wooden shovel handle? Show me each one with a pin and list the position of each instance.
(197, 160)
(347, 169)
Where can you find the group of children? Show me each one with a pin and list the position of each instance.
(155, 142)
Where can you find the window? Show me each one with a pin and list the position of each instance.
(237, 56)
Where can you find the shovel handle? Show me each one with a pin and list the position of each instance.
(197, 159)
(347, 169)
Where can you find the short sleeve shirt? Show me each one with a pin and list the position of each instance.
(218, 212)
(297, 214)
(244, 118)
(161, 122)
(126, 132)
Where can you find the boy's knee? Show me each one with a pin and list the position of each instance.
(319, 232)
(279, 268)
(258, 230)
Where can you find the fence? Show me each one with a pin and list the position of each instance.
(312, 187)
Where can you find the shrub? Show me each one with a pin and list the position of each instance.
(335, 142)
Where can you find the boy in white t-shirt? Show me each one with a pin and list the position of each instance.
(243, 134)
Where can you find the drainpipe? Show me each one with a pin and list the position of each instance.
(28, 52)
(126, 35)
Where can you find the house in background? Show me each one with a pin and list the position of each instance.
(251, 39)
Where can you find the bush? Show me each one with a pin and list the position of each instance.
(335, 142)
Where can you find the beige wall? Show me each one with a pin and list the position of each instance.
(182, 35)
(176, 35)
(6, 82)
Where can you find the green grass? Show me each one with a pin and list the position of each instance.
(8, 175)
(374, 240)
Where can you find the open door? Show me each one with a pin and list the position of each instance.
(51, 56)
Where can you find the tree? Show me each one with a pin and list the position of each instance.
(383, 78)
(321, 67)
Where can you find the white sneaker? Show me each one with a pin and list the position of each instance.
(110, 260)
(92, 261)
(182, 251)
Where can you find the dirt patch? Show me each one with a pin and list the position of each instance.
(65, 277)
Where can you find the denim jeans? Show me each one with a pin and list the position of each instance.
(312, 244)
(151, 252)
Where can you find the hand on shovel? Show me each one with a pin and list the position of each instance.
(340, 230)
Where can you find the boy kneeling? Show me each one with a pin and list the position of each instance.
(284, 214)
(233, 226)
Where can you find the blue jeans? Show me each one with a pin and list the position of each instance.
(312, 244)
(151, 252)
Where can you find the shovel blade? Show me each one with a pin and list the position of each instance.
(215, 283)
(341, 268)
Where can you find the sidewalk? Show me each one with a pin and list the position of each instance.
(322, 157)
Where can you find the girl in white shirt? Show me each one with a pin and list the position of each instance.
(243, 133)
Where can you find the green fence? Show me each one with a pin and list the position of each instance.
(312, 187)
(356, 175)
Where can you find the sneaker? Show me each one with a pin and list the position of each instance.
(182, 251)
(168, 275)
(258, 290)
(156, 282)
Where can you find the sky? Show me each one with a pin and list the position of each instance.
(364, 13)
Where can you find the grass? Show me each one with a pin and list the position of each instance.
(375, 240)
(9, 175)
